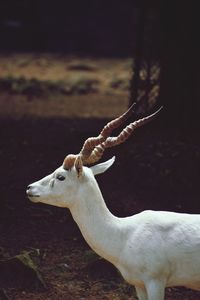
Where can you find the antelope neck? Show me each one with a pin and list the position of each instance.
(100, 228)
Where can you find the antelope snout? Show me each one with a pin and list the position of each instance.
(28, 188)
(31, 192)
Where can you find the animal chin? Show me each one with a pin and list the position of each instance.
(33, 198)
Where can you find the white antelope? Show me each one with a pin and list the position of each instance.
(152, 249)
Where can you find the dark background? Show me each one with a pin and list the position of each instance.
(84, 27)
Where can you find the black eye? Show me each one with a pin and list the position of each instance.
(60, 177)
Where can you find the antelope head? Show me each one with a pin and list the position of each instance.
(65, 184)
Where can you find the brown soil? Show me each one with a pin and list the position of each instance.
(158, 168)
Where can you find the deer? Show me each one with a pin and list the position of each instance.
(151, 249)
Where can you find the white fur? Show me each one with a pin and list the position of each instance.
(152, 250)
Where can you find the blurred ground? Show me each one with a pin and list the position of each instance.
(48, 85)
(158, 168)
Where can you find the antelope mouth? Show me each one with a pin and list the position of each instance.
(33, 196)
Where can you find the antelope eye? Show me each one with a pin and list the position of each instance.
(60, 177)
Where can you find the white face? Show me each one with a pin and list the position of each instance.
(63, 187)
(58, 188)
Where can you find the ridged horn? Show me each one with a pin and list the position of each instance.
(94, 147)
(92, 142)
(121, 138)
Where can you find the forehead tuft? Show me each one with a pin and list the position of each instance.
(69, 161)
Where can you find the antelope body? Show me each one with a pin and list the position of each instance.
(152, 250)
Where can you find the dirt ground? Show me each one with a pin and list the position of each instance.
(158, 168)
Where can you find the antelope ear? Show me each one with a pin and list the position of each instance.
(79, 166)
(101, 168)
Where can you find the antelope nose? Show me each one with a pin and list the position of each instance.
(28, 190)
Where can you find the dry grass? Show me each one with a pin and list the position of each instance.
(60, 86)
